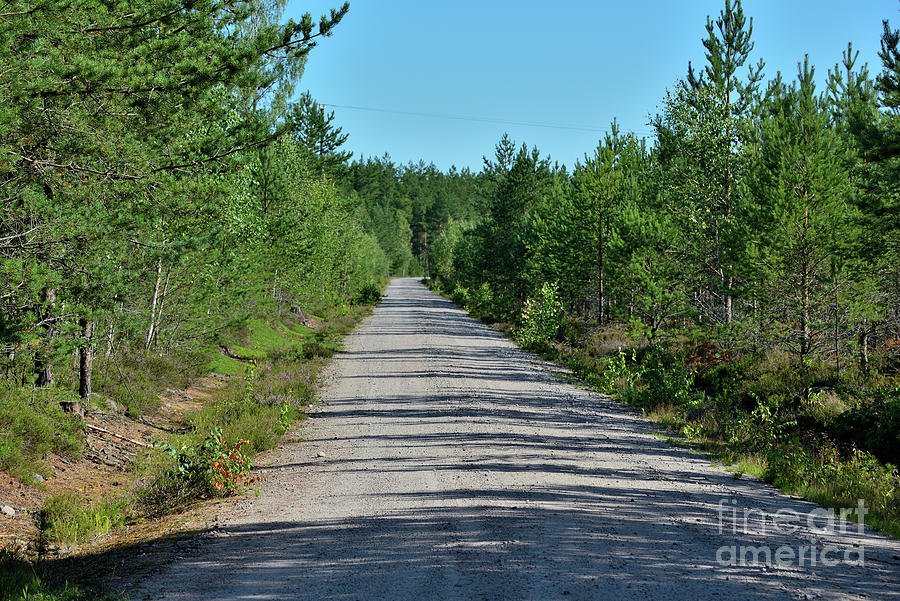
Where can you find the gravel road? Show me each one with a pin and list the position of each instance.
(444, 463)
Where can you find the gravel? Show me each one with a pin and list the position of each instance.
(445, 463)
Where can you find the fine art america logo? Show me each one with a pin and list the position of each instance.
(816, 524)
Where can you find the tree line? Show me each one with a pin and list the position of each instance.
(158, 184)
(766, 212)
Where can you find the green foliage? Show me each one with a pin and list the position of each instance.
(65, 518)
(227, 366)
(135, 379)
(214, 467)
(125, 233)
(669, 380)
(542, 316)
(32, 425)
(369, 294)
(874, 426)
(482, 300)
(21, 580)
(620, 374)
(313, 131)
(821, 474)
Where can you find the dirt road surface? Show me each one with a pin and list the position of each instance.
(444, 463)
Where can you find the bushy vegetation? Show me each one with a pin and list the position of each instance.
(19, 581)
(542, 316)
(761, 414)
(736, 279)
(32, 425)
(67, 518)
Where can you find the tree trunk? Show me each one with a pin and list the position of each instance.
(153, 304)
(864, 348)
(729, 300)
(162, 306)
(837, 347)
(729, 181)
(805, 276)
(43, 365)
(600, 291)
(720, 270)
(804, 315)
(85, 360)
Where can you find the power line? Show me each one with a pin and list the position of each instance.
(471, 118)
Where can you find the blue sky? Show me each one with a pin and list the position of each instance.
(512, 64)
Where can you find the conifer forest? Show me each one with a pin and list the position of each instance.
(168, 189)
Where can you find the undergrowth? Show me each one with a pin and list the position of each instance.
(32, 425)
(764, 415)
(834, 439)
(211, 457)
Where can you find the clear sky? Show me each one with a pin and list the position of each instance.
(507, 66)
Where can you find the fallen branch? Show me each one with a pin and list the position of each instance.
(105, 431)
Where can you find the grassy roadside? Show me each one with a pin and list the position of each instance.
(833, 439)
(273, 362)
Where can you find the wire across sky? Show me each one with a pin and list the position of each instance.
(443, 81)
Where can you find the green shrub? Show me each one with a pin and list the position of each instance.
(65, 518)
(32, 425)
(669, 380)
(874, 426)
(542, 317)
(312, 350)
(214, 467)
(481, 300)
(620, 373)
(368, 294)
(460, 296)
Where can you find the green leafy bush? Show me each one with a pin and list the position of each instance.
(460, 296)
(669, 380)
(32, 425)
(542, 317)
(214, 467)
(620, 373)
(481, 300)
(368, 294)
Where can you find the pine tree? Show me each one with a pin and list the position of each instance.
(729, 100)
(877, 134)
(313, 130)
(805, 182)
(117, 116)
(603, 183)
(518, 182)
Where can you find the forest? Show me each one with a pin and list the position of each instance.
(737, 277)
